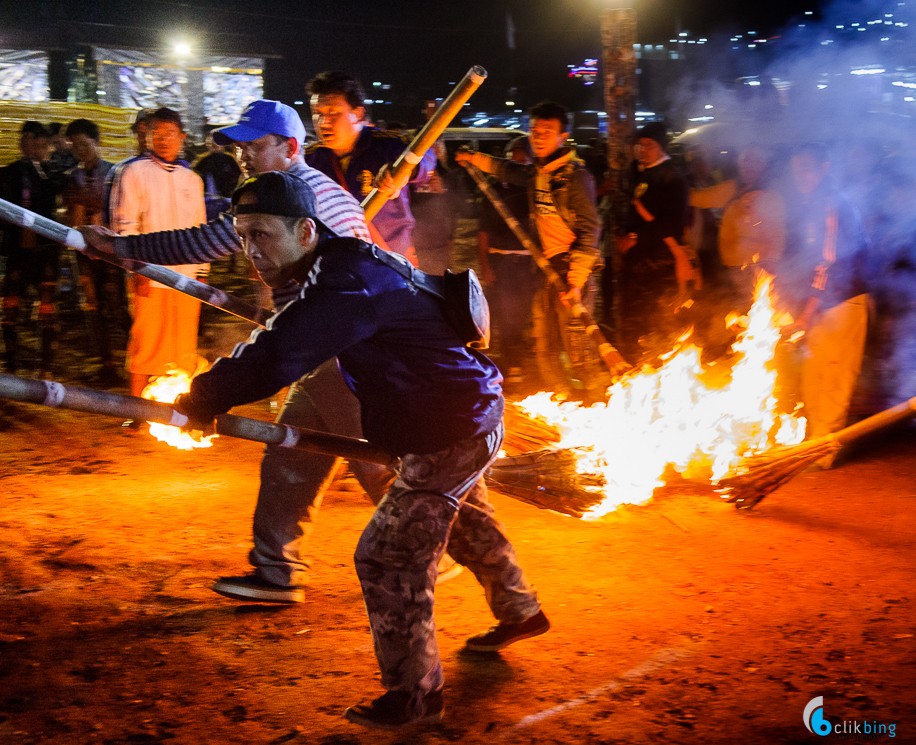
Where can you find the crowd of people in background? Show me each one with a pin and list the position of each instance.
(686, 255)
(825, 223)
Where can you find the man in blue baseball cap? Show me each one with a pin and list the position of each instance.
(261, 118)
(269, 135)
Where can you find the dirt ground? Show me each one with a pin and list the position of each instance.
(682, 621)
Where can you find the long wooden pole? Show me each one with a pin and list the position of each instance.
(608, 353)
(76, 398)
(425, 138)
(505, 471)
(169, 277)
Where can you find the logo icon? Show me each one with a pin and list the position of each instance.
(814, 717)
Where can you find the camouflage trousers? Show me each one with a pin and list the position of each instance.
(436, 500)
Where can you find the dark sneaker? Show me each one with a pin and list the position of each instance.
(504, 634)
(396, 709)
(448, 569)
(253, 589)
(131, 425)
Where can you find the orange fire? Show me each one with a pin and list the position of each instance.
(669, 417)
(166, 388)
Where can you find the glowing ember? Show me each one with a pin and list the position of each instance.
(166, 388)
(656, 419)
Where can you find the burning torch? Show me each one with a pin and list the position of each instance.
(547, 478)
(76, 398)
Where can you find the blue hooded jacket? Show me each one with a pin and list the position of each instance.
(420, 389)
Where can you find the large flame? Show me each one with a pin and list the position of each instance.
(166, 388)
(674, 417)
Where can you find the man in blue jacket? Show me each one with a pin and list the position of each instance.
(425, 396)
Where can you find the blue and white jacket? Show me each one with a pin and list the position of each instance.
(420, 388)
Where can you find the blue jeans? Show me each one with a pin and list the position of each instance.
(293, 482)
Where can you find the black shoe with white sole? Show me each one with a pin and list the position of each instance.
(253, 589)
(504, 634)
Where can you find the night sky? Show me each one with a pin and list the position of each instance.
(417, 46)
(659, 17)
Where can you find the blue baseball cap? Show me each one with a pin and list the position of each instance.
(262, 118)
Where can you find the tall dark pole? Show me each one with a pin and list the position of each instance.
(618, 37)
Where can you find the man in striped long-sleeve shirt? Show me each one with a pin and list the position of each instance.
(270, 136)
(820, 279)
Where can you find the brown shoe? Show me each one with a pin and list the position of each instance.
(504, 634)
(396, 709)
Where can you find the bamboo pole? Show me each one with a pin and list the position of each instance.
(505, 474)
(169, 277)
(425, 138)
(76, 398)
(608, 353)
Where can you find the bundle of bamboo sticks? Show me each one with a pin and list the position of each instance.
(762, 474)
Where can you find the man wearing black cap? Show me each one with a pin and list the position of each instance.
(30, 259)
(425, 396)
(656, 267)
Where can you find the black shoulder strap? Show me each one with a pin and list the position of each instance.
(420, 279)
(463, 303)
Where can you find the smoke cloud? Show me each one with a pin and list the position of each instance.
(845, 78)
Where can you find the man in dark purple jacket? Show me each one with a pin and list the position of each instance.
(353, 152)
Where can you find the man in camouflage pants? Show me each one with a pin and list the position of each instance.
(436, 499)
(424, 396)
